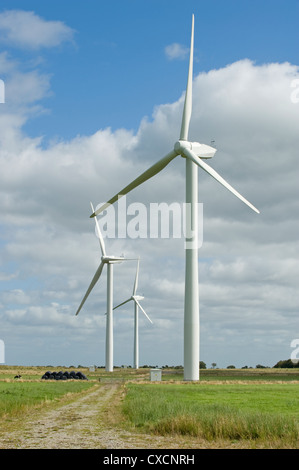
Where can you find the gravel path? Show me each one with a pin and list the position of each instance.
(79, 424)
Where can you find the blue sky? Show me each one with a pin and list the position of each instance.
(113, 70)
(93, 97)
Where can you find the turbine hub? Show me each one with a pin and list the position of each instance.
(181, 145)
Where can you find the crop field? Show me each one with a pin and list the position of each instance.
(259, 408)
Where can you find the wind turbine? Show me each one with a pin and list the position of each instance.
(109, 261)
(136, 298)
(194, 153)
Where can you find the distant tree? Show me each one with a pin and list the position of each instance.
(259, 366)
(202, 365)
(286, 364)
(231, 367)
(213, 365)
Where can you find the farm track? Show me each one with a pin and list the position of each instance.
(81, 424)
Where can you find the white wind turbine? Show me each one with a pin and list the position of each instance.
(194, 153)
(136, 298)
(109, 261)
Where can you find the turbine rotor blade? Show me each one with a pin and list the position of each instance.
(99, 233)
(126, 301)
(188, 97)
(143, 310)
(136, 278)
(189, 154)
(152, 171)
(91, 286)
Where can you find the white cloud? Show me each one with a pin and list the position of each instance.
(24, 88)
(25, 29)
(176, 51)
(248, 263)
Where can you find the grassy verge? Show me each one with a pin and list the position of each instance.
(18, 397)
(228, 411)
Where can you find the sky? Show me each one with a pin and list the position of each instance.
(92, 95)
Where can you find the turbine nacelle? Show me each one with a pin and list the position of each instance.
(112, 259)
(200, 150)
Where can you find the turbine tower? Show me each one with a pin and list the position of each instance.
(109, 261)
(136, 298)
(194, 154)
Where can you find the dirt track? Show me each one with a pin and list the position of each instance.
(79, 424)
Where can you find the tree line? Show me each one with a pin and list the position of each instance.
(284, 364)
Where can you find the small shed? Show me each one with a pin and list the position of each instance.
(155, 375)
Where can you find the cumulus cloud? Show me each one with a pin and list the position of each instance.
(25, 29)
(245, 258)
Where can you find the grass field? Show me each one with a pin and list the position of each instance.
(267, 412)
(20, 396)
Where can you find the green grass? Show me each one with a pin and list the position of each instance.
(16, 397)
(226, 411)
(267, 374)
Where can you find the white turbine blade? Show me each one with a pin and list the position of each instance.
(99, 233)
(92, 284)
(136, 278)
(188, 97)
(143, 310)
(126, 301)
(152, 171)
(189, 154)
